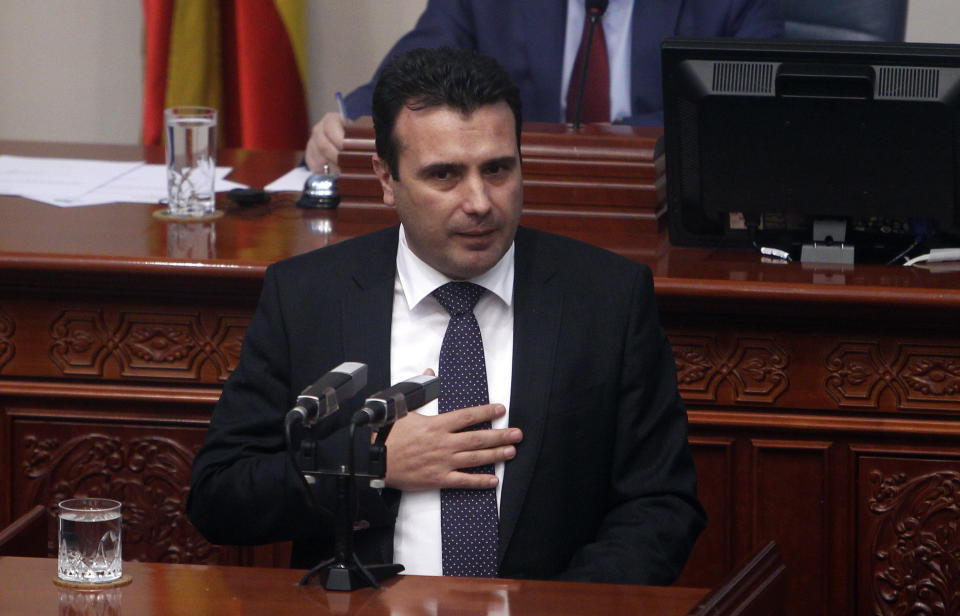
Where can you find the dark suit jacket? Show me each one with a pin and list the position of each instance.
(527, 37)
(603, 485)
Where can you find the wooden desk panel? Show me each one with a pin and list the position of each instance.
(824, 402)
(26, 587)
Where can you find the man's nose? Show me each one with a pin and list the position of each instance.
(476, 196)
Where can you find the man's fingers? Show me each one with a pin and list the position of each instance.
(478, 440)
(427, 453)
(332, 126)
(326, 141)
(313, 157)
(481, 457)
(470, 481)
(464, 418)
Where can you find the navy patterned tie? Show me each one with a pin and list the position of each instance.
(468, 517)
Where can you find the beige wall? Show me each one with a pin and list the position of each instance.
(345, 54)
(72, 70)
(933, 21)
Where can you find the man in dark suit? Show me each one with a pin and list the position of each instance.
(532, 39)
(591, 467)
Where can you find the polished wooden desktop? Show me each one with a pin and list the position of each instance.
(27, 587)
(824, 402)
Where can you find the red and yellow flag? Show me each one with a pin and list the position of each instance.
(247, 58)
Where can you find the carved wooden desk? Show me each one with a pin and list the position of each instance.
(824, 403)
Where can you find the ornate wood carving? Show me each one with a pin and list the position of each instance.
(920, 377)
(696, 362)
(151, 476)
(7, 348)
(171, 346)
(229, 340)
(758, 370)
(80, 343)
(754, 367)
(915, 550)
(931, 375)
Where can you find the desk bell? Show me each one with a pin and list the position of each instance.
(320, 190)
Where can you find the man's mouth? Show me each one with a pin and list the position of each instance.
(478, 237)
(477, 232)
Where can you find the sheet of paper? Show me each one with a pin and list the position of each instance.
(74, 182)
(57, 178)
(145, 184)
(292, 181)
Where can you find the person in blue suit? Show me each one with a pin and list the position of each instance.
(537, 40)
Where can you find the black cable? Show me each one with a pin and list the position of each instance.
(260, 210)
(904, 253)
(594, 16)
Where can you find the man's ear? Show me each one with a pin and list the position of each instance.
(382, 170)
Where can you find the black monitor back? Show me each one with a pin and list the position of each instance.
(775, 134)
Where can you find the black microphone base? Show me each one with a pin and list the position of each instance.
(338, 576)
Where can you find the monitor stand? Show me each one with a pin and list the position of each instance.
(828, 246)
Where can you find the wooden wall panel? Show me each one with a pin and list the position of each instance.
(713, 555)
(113, 340)
(908, 532)
(145, 466)
(790, 502)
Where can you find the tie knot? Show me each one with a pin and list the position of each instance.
(458, 297)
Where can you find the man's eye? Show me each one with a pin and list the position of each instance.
(442, 174)
(497, 168)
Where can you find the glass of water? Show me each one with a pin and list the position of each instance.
(90, 551)
(191, 160)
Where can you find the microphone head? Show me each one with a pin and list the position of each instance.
(358, 377)
(431, 386)
(391, 404)
(323, 397)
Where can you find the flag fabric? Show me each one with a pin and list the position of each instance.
(246, 58)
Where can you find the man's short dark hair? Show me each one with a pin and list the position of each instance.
(420, 78)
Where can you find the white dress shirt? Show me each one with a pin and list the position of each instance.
(616, 20)
(418, 325)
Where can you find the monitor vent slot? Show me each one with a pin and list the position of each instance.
(904, 82)
(743, 77)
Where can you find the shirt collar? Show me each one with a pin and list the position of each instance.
(418, 280)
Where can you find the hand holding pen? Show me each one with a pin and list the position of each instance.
(326, 140)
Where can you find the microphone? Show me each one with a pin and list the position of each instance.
(595, 10)
(389, 405)
(321, 399)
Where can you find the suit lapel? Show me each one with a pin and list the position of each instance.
(368, 309)
(536, 322)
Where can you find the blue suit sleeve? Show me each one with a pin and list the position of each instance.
(755, 19)
(699, 18)
(443, 23)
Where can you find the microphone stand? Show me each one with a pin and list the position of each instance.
(594, 16)
(344, 571)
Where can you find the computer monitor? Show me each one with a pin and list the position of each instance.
(766, 140)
